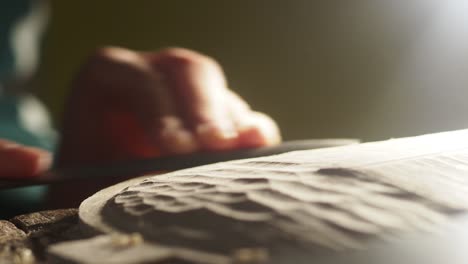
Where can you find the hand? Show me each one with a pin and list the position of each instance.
(18, 161)
(126, 104)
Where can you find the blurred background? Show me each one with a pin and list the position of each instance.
(365, 69)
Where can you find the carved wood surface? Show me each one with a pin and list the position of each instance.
(339, 205)
(300, 204)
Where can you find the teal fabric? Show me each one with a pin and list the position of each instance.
(10, 12)
(21, 200)
(11, 128)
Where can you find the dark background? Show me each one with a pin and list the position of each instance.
(365, 69)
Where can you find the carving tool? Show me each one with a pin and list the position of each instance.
(133, 168)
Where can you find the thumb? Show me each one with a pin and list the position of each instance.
(18, 161)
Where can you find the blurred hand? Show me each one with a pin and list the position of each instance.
(18, 161)
(127, 104)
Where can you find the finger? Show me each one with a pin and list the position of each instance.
(175, 138)
(131, 82)
(143, 92)
(255, 129)
(115, 107)
(199, 88)
(17, 161)
(263, 132)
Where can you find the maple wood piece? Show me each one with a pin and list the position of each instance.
(295, 207)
